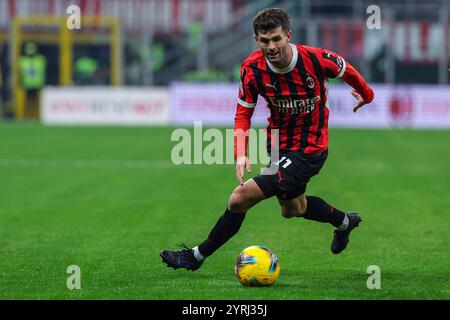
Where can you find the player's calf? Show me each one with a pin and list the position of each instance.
(293, 208)
(289, 213)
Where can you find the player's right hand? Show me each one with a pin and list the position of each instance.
(241, 164)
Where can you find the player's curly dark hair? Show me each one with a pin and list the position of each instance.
(268, 19)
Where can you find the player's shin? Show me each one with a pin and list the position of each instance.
(318, 210)
(226, 227)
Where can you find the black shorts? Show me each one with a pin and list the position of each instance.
(295, 169)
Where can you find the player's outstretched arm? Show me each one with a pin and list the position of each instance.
(335, 67)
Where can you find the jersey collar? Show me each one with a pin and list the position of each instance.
(290, 66)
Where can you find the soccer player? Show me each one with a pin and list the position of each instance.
(291, 78)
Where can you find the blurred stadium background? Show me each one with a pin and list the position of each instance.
(107, 197)
(148, 43)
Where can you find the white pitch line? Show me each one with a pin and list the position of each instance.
(418, 167)
(87, 163)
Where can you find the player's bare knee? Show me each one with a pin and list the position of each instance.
(237, 201)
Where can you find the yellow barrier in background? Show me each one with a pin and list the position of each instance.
(53, 30)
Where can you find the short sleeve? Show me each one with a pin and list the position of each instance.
(248, 95)
(334, 65)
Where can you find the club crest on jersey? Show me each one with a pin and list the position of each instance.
(310, 82)
(294, 106)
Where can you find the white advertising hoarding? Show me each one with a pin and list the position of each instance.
(216, 105)
(341, 103)
(105, 105)
(431, 106)
(213, 104)
(417, 106)
(414, 106)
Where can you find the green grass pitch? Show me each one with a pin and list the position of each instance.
(108, 199)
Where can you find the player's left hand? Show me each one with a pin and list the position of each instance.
(360, 101)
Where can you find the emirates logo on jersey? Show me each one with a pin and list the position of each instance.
(294, 106)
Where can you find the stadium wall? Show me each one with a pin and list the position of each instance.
(415, 106)
(105, 106)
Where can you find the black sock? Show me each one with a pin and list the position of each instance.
(318, 210)
(226, 227)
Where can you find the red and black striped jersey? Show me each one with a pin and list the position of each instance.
(295, 95)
